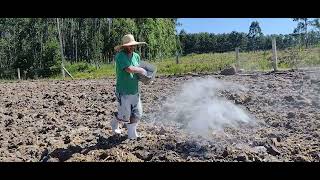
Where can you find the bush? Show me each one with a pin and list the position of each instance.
(78, 67)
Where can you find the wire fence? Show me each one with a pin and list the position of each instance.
(290, 58)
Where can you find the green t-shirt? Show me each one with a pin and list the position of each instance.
(127, 83)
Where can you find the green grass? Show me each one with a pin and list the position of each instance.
(187, 64)
(7, 81)
(210, 62)
(86, 71)
(287, 59)
(194, 63)
(206, 63)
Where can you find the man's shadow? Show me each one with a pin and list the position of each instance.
(64, 154)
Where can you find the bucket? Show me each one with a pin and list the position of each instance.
(151, 72)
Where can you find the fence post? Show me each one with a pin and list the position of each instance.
(237, 59)
(25, 74)
(319, 52)
(19, 73)
(274, 55)
(177, 57)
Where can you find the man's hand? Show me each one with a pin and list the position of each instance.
(144, 72)
(133, 69)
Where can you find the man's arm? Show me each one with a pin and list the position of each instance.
(133, 69)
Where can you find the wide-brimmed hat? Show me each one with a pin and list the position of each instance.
(128, 40)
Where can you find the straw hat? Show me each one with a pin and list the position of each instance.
(128, 40)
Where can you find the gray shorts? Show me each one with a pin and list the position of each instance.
(129, 106)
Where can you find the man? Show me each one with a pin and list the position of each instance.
(127, 86)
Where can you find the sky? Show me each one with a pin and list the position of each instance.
(227, 25)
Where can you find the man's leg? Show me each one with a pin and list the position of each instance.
(124, 109)
(115, 124)
(136, 114)
(122, 115)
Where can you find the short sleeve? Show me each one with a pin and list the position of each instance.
(122, 62)
(138, 58)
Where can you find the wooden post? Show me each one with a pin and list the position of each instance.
(68, 72)
(177, 57)
(274, 55)
(319, 53)
(237, 59)
(19, 73)
(62, 57)
(25, 74)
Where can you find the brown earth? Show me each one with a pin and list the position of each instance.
(69, 121)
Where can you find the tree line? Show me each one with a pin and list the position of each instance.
(251, 41)
(32, 44)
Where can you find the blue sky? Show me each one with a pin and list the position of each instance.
(227, 25)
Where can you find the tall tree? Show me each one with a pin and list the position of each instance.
(302, 28)
(316, 23)
(254, 35)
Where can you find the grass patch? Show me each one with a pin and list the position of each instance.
(206, 63)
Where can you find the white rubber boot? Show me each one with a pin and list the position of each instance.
(132, 131)
(115, 126)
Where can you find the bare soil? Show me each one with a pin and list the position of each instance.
(52, 121)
